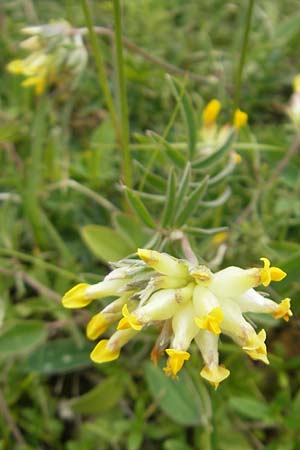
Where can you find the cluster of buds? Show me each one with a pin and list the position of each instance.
(56, 52)
(213, 135)
(187, 302)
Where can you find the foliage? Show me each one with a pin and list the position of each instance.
(65, 212)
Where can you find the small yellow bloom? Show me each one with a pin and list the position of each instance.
(215, 374)
(102, 353)
(283, 310)
(76, 297)
(240, 119)
(175, 361)
(211, 321)
(237, 159)
(296, 83)
(129, 321)
(211, 112)
(255, 346)
(269, 274)
(96, 326)
(220, 238)
(39, 82)
(16, 67)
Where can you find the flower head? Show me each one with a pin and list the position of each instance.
(56, 52)
(240, 119)
(187, 302)
(211, 112)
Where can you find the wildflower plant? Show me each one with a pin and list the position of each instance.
(176, 277)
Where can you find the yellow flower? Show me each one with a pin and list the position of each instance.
(211, 112)
(175, 361)
(188, 302)
(283, 310)
(211, 321)
(240, 119)
(129, 321)
(269, 273)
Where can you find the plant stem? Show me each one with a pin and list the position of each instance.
(101, 69)
(127, 167)
(243, 55)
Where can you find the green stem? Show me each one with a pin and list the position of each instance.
(243, 55)
(33, 173)
(97, 52)
(127, 167)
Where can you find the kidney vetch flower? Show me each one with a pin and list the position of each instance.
(188, 302)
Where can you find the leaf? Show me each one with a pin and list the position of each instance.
(102, 397)
(106, 243)
(169, 209)
(140, 209)
(130, 228)
(187, 112)
(219, 200)
(176, 157)
(250, 408)
(179, 399)
(204, 163)
(22, 337)
(153, 179)
(192, 203)
(183, 186)
(60, 356)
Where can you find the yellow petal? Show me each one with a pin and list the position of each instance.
(269, 273)
(102, 353)
(16, 66)
(76, 297)
(255, 346)
(240, 119)
(211, 112)
(283, 310)
(211, 321)
(96, 326)
(129, 321)
(215, 374)
(175, 361)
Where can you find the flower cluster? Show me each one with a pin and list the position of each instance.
(56, 52)
(188, 302)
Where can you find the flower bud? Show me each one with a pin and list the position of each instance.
(164, 263)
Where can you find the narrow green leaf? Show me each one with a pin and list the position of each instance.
(196, 231)
(187, 112)
(179, 399)
(106, 243)
(219, 177)
(169, 209)
(153, 179)
(192, 203)
(22, 337)
(101, 398)
(183, 186)
(204, 163)
(219, 200)
(140, 209)
(175, 156)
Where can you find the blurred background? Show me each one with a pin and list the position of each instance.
(61, 221)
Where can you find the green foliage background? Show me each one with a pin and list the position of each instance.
(60, 222)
